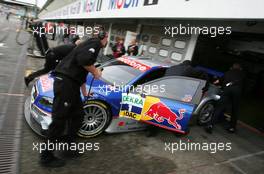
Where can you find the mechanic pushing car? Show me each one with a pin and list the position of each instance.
(52, 58)
(232, 88)
(67, 110)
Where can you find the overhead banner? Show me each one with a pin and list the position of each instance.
(229, 9)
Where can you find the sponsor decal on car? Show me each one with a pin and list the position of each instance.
(157, 112)
(151, 110)
(131, 106)
(133, 63)
(133, 99)
(46, 83)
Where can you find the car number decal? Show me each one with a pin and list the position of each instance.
(131, 106)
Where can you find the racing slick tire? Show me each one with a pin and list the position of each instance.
(96, 119)
(206, 113)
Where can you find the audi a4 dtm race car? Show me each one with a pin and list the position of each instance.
(132, 93)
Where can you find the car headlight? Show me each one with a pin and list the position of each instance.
(34, 93)
(46, 101)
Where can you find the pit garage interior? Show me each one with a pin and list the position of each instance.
(246, 48)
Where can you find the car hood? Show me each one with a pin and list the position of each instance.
(44, 86)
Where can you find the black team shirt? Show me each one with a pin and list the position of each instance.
(62, 51)
(84, 54)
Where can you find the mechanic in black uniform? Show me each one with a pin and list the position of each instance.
(52, 58)
(232, 88)
(67, 111)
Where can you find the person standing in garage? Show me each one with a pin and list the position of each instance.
(132, 49)
(67, 111)
(232, 88)
(40, 36)
(119, 48)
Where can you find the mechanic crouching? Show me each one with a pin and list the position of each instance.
(67, 112)
(52, 57)
(232, 88)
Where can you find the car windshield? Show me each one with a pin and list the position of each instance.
(119, 73)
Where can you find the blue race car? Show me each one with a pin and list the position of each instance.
(131, 94)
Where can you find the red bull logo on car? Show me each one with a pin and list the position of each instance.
(159, 112)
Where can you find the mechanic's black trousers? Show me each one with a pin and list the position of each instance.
(42, 43)
(50, 64)
(67, 111)
(231, 95)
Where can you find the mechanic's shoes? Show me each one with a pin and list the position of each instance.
(27, 81)
(208, 129)
(231, 130)
(51, 161)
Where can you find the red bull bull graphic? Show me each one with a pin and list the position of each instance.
(168, 114)
(159, 111)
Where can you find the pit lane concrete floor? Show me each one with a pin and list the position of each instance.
(12, 65)
(126, 153)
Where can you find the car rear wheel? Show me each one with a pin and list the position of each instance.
(96, 119)
(206, 113)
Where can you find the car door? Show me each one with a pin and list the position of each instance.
(172, 105)
(167, 102)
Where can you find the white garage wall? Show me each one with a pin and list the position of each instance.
(158, 46)
(212, 9)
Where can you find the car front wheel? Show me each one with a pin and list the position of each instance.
(96, 119)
